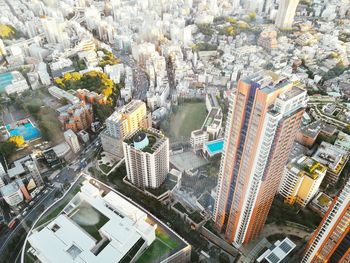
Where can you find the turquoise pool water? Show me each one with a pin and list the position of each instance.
(215, 147)
(5, 80)
(28, 131)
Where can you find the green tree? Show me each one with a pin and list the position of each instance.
(205, 29)
(194, 256)
(347, 129)
(252, 16)
(224, 258)
(7, 149)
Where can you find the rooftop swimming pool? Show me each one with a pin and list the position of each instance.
(27, 130)
(215, 147)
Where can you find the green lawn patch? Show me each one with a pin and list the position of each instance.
(188, 117)
(53, 214)
(155, 252)
(105, 168)
(163, 236)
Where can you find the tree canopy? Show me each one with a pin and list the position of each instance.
(18, 140)
(8, 32)
(93, 81)
(7, 148)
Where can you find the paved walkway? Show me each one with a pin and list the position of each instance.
(272, 229)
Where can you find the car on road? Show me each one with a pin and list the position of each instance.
(13, 223)
(46, 191)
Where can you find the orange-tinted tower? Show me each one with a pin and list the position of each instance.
(263, 121)
(331, 241)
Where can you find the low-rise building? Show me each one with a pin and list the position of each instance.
(321, 203)
(308, 134)
(277, 252)
(301, 180)
(12, 194)
(13, 82)
(334, 158)
(91, 96)
(102, 228)
(60, 94)
(343, 141)
(198, 139)
(268, 39)
(213, 123)
(77, 117)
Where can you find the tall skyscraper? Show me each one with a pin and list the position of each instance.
(331, 241)
(262, 124)
(146, 155)
(286, 13)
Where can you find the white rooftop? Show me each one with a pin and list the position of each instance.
(64, 240)
(278, 251)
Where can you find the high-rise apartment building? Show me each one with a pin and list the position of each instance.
(123, 122)
(286, 13)
(301, 180)
(146, 155)
(331, 241)
(262, 124)
(127, 119)
(54, 31)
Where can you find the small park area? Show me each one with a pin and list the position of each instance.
(186, 118)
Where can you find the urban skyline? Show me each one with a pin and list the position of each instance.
(146, 131)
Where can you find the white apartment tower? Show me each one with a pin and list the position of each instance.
(146, 155)
(72, 139)
(286, 13)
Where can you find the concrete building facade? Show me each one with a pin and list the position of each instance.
(146, 155)
(286, 13)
